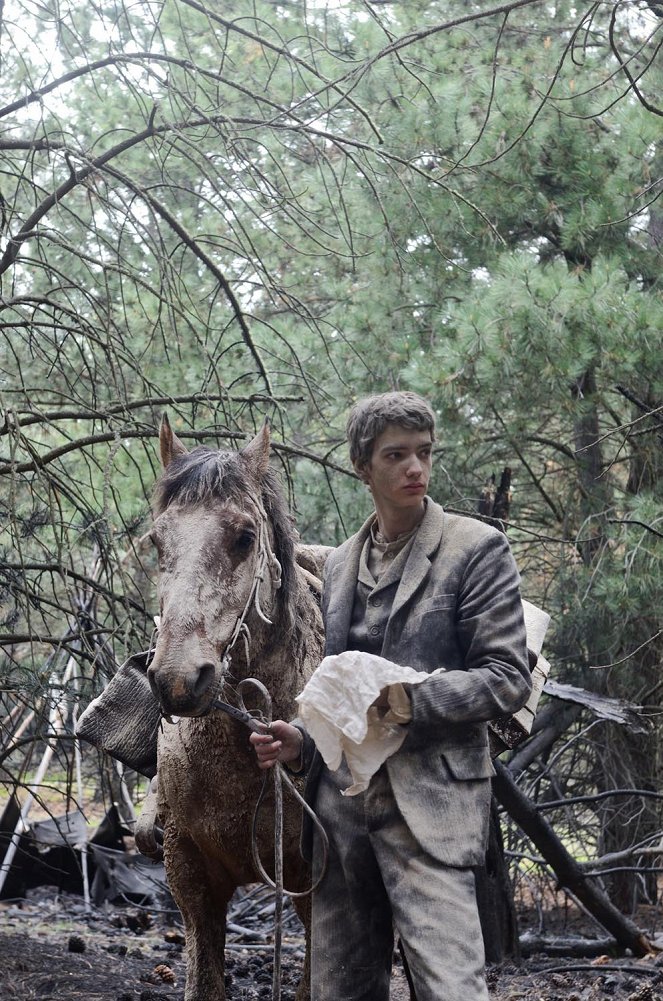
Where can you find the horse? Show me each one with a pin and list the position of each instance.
(233, 603)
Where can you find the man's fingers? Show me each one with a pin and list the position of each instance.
(259, 739)
(279, 742)
(268, 754)
(267, 749)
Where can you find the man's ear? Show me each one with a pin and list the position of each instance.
(170, 445)
(361, 469)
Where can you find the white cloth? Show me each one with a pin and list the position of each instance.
(336, 709)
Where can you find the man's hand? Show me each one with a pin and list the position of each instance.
(280, 742)
(382, 701)
(393, 704)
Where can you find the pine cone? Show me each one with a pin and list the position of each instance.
(644, 993)
(164, 973)
(76, 944)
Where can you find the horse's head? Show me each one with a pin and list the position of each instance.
(222, 534)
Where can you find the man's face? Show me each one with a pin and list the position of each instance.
(400, 467)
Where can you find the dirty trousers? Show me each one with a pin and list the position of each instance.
(379, 877)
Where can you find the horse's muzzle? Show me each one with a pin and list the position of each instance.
(182, 692)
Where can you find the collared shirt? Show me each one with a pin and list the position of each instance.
(379, 554)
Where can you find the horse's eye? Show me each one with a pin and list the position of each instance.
(245, 540)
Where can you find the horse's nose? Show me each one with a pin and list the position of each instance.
(152, 678)
(203, 680)
(182, 692)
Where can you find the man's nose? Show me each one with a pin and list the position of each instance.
(415, 466)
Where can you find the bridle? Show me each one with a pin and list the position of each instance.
(266, 564)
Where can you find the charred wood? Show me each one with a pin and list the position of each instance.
(551, 722)
(569, 873)
(570, 946)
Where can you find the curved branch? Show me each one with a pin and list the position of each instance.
(596, 797)
(28, 417)
(641, 524)
(14, 639)
(341, 141)
(87, 582)
(75, 178)
(160, 209)
(416, 36)
(39, 461)
(136, 57)
(627, 73)
(234, 26)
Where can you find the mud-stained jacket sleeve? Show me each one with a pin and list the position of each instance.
(495, 677)
(302, 766)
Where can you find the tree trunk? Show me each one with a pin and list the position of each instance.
(630, 759)
(567, 870)
(497, 911)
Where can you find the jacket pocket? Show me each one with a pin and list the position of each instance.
(466, 763)
(437, 602)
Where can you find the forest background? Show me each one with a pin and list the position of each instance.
(234, 211)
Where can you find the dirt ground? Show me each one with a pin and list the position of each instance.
(50, 948)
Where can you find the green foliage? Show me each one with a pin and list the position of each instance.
(293, 206)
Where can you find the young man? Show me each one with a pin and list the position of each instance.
(429, 590)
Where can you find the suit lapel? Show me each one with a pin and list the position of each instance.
(344, 576)
(342, 593)
(426, 543)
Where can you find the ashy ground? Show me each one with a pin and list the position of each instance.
(52, 950)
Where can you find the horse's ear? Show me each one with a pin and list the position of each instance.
(256, 452)
(170, 445)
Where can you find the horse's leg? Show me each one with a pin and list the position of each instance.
(202, 896)
(144, 832)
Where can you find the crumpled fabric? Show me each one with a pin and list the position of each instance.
(336, 709)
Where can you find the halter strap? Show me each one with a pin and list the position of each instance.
(266, 561)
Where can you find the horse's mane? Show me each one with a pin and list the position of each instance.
(205, 474)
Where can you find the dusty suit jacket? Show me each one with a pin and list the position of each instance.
(457, 606)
